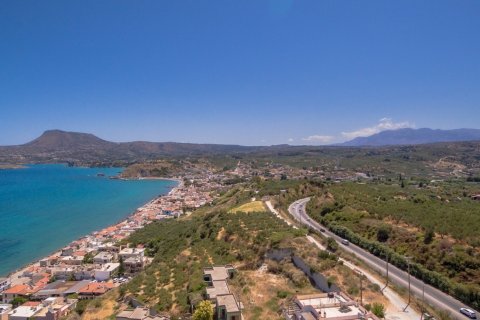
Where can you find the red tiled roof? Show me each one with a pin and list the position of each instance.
(18, 289)
(96, 288)
(31, 304)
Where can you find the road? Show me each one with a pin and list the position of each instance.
(399, 277)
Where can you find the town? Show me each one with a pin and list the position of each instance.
(91, 266)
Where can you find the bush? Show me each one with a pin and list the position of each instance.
(204, 311)
(383, 233)
(378, 309)
(332, 245)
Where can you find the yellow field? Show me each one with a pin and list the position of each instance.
(254, 206)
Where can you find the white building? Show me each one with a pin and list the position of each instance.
(4, 310)
(4, 284)
(106, 271)
(23, 312)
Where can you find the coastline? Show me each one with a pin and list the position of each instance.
(16, 274)
(12, 166)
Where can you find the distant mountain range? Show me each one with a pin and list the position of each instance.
(87, 149)
(76, 147)
(414, 136)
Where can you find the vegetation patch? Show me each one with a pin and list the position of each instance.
(253, 206)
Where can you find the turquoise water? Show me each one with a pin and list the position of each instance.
(44, 207)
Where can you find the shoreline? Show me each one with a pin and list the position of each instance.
(15, 274)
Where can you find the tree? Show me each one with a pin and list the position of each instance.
(429, 235)
(332, 245)
(383, 233)
(121, 268)
(204, 311)
(17, 301)
(88, 258)
(378, 309)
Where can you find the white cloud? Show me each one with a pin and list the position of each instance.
(383, 124)
(290, 140)
(319, 139)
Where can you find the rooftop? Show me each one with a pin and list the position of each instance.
(219, 287)
(18, 289)
(24, 311)
(218, 272)
(229, 302)
(137, 313)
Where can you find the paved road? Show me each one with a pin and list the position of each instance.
(433, 296)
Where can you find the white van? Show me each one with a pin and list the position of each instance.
(469, 313)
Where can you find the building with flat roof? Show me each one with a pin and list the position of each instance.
(139, 313)
(103, 257)
(4, 284)
(105, 272)
(4, 310)
(333, 306)
(24, 312)
(227, 307)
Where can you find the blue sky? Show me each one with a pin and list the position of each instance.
(244, 72)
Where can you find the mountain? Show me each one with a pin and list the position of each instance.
(85, 148)
(414, 136)
(58, 139)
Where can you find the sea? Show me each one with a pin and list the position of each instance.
(45, 207)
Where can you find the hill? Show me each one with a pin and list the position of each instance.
(410, 136)
(84, 148)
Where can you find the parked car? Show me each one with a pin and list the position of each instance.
(427, 316)
(469, 313)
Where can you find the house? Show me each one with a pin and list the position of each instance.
(24, 312)
(72, 260)
(68, 251)
(133, 265)
(227, 306)
(94, 289)
(50, 261)
(217, 273)
(19, 290)
(4, 310)
(139, 313)
(55, 308)
(132, 253)
(105, 272)
(4, 284)
(103, 257)
(326, 306)
(60, 288)
(110, 247)
(49, 309)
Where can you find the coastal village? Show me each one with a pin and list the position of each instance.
(91, 266)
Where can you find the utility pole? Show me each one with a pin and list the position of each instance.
(361, 290)
(360, 275)
(409, 292)
(386, 284)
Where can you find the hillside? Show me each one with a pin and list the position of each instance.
(410, 136)
(444, 159)
(84, 148)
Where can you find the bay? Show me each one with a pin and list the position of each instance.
(44, 207)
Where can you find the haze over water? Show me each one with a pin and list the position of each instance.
(44, 207)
